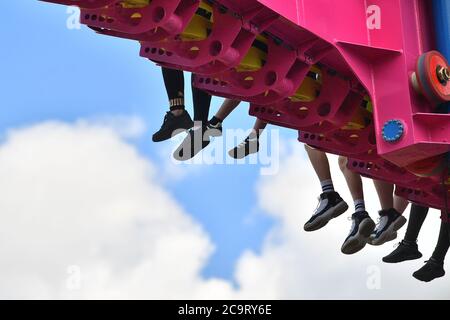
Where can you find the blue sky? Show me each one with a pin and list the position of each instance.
(52, 73)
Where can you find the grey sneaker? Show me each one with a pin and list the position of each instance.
(390, 222)
(330, 206)
(362, 228)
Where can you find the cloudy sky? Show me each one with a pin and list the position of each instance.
(90, 208)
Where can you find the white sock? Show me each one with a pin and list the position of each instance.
(327, 186)
(360, 205)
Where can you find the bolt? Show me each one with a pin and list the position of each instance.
(446, 74)
(443, 74)
(392, 131)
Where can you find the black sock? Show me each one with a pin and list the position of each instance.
(215, 121)
(202, 103)
(416, 220)
(174, 82)
(443, 243)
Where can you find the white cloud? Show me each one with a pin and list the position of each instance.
(124, 125)
(78, 196)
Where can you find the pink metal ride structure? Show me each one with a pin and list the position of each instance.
(379, 85)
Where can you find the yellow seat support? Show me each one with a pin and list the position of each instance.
(362, 116)
(200, 24)
(310, 88)
(255, 57)
(134, 3)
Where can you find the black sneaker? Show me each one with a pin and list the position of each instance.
(249, 146)
(360, 232)
(173, 125)
(430, 271)
(330, 206)
(390, 222)
(196, 140)
(404, 252)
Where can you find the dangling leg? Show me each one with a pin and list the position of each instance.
(214, 126)
(198, 137)
(408, 248)
(177, 119)
(251, 144)
(174, 83)
(434, 268)
(331, 205)
(416, 219)
(362, 225)
(390, 219)
(202, 104)
(228, 106)
(385, 191)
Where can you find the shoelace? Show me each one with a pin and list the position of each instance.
(381, 222)
(242, 144)
(397, 244)
(433, 261)
(353, 224)
(246, 141)
(403, 242)
(318, 205)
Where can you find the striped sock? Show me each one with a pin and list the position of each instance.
(327, 186)
(360, 205)
(176, 104)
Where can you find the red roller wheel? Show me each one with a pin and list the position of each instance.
(433, 84)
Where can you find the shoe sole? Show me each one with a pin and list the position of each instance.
(323, 220)
(359, 240)
(187, 156)
(409, 258)
(440, 275)
(387, 235)
(214, 133)
(231, 154)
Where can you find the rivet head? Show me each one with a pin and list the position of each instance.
(393, 131)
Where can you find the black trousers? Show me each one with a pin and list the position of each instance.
(443, 243)
(174, 82)
(415, 222)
